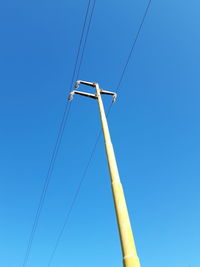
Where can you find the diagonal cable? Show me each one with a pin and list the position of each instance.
(133, 45)
(47, 181)
(55, 151)
(85, 42)
(80, 45)
(90, 158)
(67, 217)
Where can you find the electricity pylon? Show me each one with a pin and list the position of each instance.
(130, 258)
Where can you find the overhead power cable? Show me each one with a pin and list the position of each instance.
(56, 147)
(133, 45)
(67, 217)
(85, 42)
(46, 183)
(90, 158)
(81, 44)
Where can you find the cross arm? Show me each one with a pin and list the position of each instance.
(70, 97)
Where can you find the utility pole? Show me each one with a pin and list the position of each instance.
(130, 258)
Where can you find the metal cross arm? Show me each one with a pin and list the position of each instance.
(70, 97)
(84, 82)
(103, 92)
(94, 96)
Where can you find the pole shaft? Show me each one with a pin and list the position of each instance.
(130, 258)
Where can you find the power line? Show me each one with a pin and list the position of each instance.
(73, 201)
(80, 44)
(131, 51)
(84, 45)
(133, 45)
(95, 145)
(67, 217)
(90, 158)
(46, 182)
(55, 151)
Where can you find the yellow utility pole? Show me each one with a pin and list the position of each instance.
(130, 258)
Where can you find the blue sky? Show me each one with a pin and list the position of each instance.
(154, 126)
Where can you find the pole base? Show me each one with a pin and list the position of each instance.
(131, 261)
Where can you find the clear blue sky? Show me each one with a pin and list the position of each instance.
(154, 125)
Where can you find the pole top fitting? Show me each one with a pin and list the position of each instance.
(94, 96)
